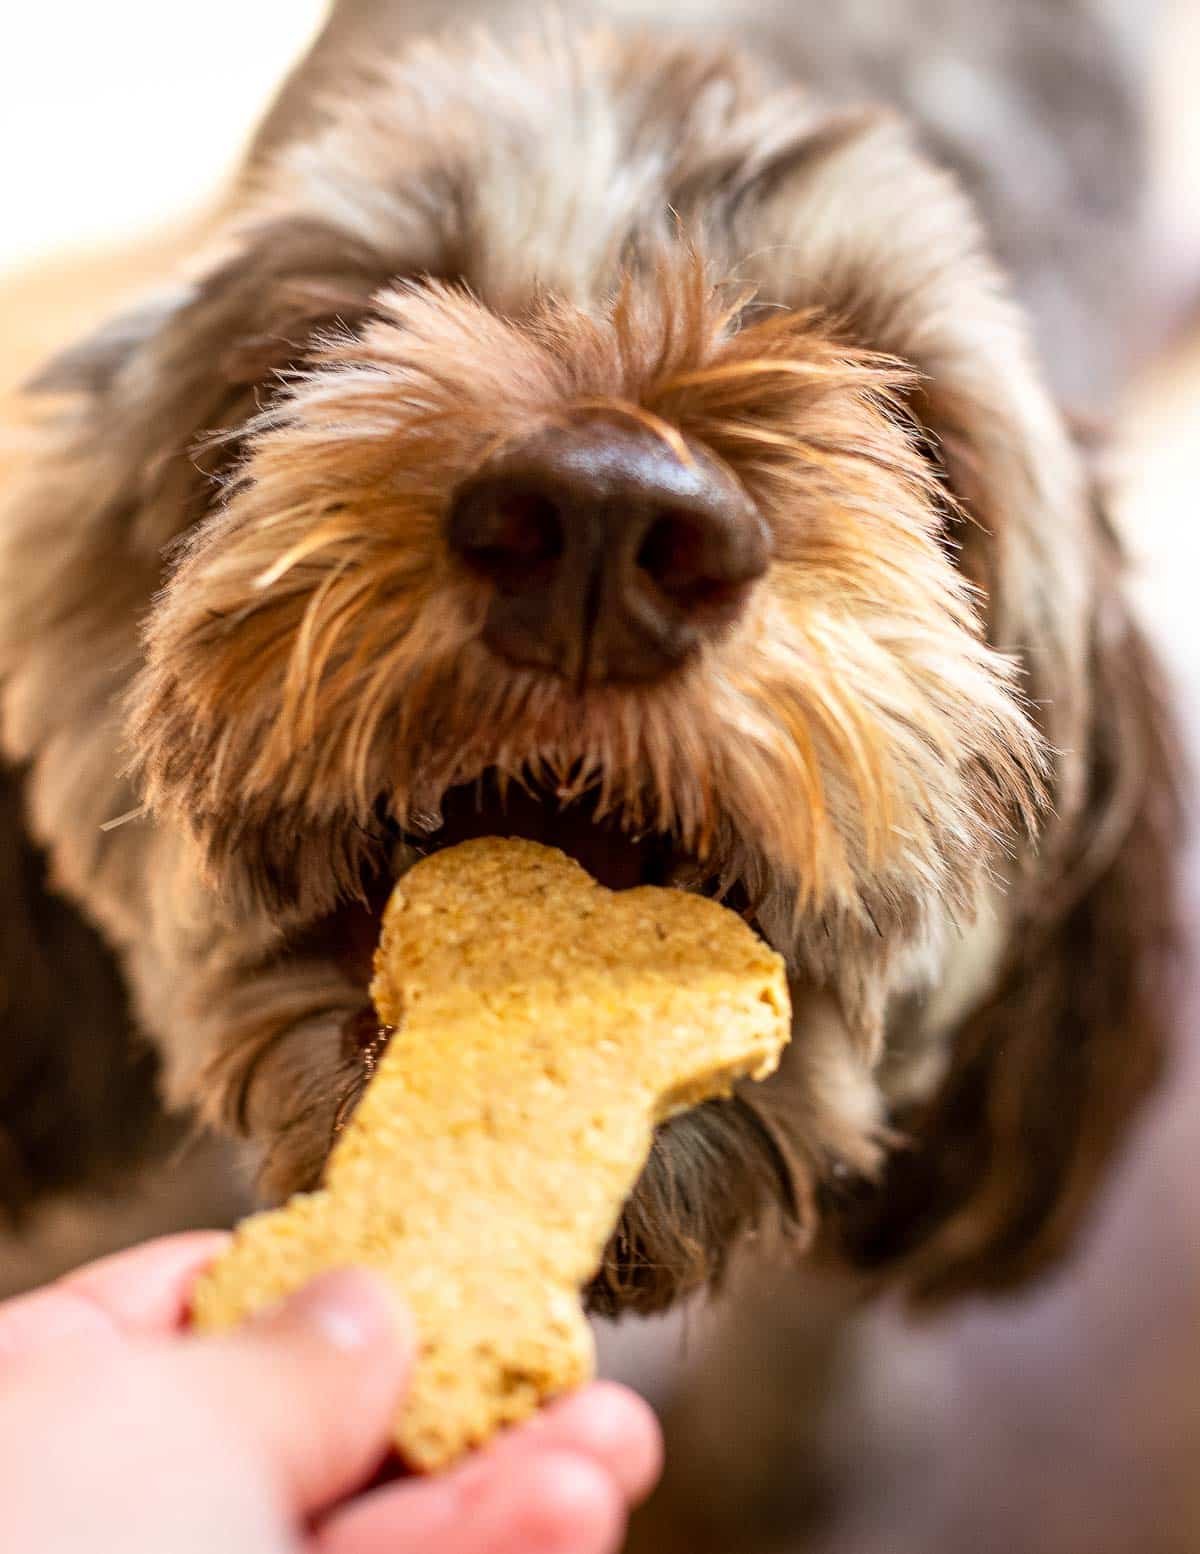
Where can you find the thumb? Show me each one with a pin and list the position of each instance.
(313, 1385)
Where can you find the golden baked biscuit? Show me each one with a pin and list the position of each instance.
(543, 1026)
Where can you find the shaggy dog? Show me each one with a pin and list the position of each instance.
(610, 436)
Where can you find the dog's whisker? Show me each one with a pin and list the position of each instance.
(138, 812)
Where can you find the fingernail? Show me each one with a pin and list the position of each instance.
(350, 1309)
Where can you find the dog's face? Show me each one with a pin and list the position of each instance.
(680, 581)
(555, 527)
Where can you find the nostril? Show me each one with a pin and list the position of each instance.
(608, 556)
(511, 536)
(683, 558)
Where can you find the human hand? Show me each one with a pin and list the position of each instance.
(120, 1432)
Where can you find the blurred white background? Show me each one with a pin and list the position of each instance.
(117, 116)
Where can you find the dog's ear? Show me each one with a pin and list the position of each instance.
(1047, 1076)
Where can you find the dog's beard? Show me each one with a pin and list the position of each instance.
(318, 710)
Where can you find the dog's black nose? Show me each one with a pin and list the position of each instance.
(611, 554)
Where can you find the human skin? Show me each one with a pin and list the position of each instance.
(119, 1430)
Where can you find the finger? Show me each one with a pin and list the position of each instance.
(312, 1388)
(147, 1289)
(143, 1291)
(606, 1422)
(536, 1502)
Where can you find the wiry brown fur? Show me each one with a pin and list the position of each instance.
(239, 627)
(995, 1180)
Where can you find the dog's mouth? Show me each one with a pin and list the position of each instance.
(604, 845)
(614, 852)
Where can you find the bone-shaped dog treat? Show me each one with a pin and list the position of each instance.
(543, 1026)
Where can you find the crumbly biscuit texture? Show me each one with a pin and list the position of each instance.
(543, 1027)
